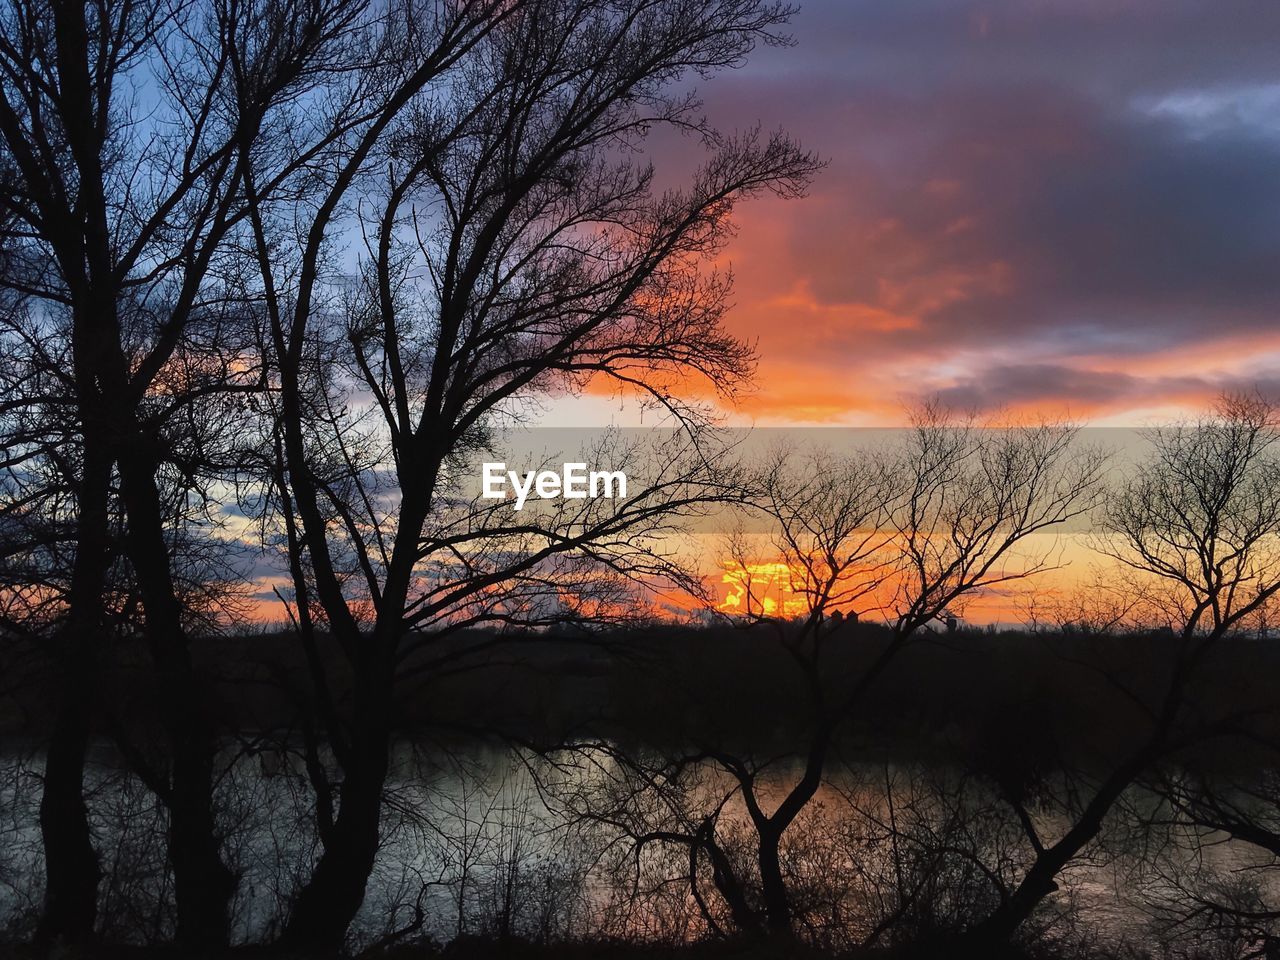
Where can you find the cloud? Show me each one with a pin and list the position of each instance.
(1022, 196)
(1031, 384)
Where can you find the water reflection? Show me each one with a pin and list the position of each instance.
(486, 841)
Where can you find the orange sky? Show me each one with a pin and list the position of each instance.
(1067, 205)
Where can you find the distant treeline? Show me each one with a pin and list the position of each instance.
(950, 697)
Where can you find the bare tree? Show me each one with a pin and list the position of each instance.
(904, 536)
(118, 216)
(513, 247)
(1199, 522)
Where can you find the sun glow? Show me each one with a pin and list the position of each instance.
(762, 589)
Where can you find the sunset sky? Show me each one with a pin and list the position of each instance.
(1065, 205)
(1060, 207)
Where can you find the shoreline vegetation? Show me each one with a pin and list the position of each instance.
(1019, 710)
(727, 683)
(484, 949)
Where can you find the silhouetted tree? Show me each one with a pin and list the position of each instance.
(118, 213)
(1199, 524)
(1203, 896)
(514, 247)
(904, 535)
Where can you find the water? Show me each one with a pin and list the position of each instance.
(491, 842)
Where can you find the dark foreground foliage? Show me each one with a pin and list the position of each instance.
(482, 949)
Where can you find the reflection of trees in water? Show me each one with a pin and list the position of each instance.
(493, 844)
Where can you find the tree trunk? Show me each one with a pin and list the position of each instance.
(203, 884)
(330, 900)
(332, 897)
(773, 887)
(770, 830)
(1041, 880)
(999, 928)
(71, 865)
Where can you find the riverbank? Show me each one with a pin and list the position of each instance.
(474, 948)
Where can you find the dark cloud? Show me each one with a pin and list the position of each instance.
(1056, 179)
(1023, 385)
(1108, 47)
(1026, 383)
